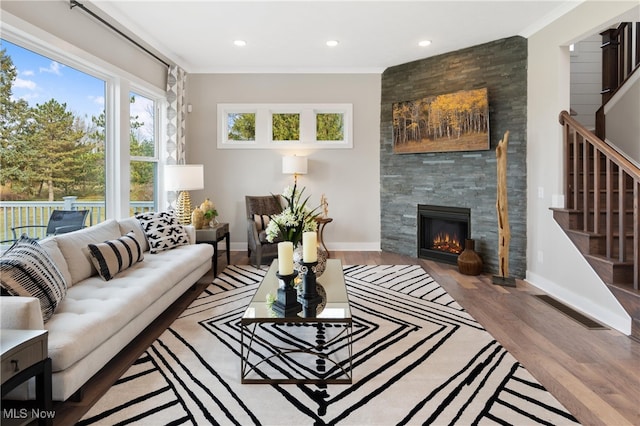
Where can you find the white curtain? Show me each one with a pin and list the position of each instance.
(176, 113)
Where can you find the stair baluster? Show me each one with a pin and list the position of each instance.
(602, 212)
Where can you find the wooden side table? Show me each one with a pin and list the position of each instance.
(25, 355)
(322, 222)
(213, 236)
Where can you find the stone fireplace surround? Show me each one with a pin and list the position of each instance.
(459, 179)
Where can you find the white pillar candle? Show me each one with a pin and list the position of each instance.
(285, 258)
(309, 247)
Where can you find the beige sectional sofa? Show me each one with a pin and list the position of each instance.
(97, 318)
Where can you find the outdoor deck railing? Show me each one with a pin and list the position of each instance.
(23, 213)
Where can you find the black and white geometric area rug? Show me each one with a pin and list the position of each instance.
(418, 358)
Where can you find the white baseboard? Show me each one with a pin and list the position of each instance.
(622, 323)
(364, 246)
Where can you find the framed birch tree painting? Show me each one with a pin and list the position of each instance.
(451, 122)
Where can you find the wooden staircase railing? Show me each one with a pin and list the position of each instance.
(620, 56)
(601, 214)
(620, 59)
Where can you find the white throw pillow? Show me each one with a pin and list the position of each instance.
(27, 270)
(162, 230)
(115, 256)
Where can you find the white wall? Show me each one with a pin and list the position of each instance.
(349, 178)
(622, 123)
(554, 264)
(586, 80)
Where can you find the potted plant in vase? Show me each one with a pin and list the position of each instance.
(295, 219)
(210, 212)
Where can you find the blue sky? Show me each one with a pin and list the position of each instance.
(40, 79)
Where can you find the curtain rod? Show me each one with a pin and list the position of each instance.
(74, 3)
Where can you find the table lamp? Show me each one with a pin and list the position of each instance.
(183, 178)
(294, 165)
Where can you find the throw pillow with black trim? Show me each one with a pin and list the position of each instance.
(261, 220)
(114, 256)
(27, 270)
(163, 231)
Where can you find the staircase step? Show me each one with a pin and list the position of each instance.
(596, 244)
(566, 218)
(586, 242)
(611, 271)
(574, 219)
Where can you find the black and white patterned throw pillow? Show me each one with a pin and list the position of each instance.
(114, 256)
(163, 231)
(27, 270)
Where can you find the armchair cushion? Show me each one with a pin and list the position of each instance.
(27, 270)
(261, 220)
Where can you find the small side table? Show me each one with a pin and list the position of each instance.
(25, 355)
(213, 236)
(322, 222)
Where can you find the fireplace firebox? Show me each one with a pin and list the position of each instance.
(442, 232)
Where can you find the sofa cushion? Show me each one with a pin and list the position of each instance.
(131, 224)
(74, 247)
(50, 245)
(162, 230)
(115, 256)
(94, 309)
(27, 270)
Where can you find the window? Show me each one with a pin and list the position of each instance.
(284, 125)
(52, 89)
(330, 126)
(143, 151)
(52, 152)
(241, 126)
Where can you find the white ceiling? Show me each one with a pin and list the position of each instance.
(289, 36)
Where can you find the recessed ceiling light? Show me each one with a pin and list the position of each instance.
(424, 43)
(332, 43)
(240, 43)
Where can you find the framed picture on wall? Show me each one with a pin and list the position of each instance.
(451, 122)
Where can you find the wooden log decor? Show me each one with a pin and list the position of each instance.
(502, 209)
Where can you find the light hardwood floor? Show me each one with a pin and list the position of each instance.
(594, 373)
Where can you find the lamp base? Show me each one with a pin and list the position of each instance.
(183, 208)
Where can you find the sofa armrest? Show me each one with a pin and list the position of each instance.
(191, 233)
(23, 313)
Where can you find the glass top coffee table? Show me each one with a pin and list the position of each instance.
(298, 349)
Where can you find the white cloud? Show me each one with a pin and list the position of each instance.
(24, 84)
(27, 73)
(54, 68)
(26, 97)
(98, 100)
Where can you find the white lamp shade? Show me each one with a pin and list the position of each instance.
(184, 177)
(294, 165)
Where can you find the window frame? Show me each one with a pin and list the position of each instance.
(157, 135)
(118, 84)
(264, 125)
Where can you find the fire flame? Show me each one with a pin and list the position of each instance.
(447, 243)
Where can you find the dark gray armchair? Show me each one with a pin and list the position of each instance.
(60, 222)
(259, 208)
